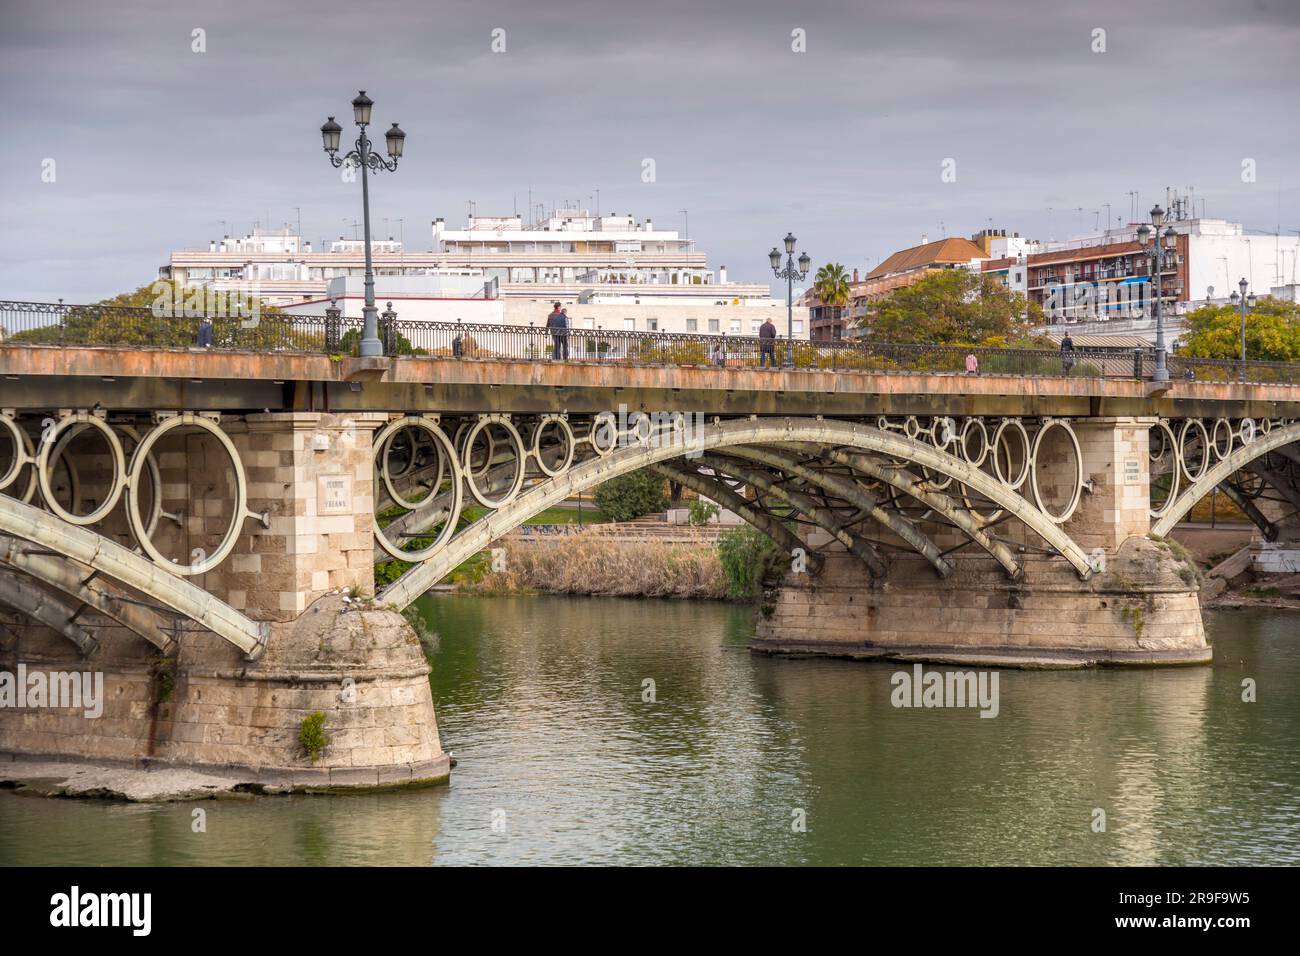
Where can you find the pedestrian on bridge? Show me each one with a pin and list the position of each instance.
(1067, 353)
(205, 332)
(767, 343)
(558, 323)
(972, 364)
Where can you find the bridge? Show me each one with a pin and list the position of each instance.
(202, 524)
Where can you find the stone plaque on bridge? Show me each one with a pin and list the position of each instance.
(334, 495)
(1132, 471)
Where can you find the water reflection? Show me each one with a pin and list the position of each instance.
(564, 760)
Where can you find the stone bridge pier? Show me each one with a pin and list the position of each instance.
(282, 532)
(1135, 603)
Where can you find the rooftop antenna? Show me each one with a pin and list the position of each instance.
(598, 202)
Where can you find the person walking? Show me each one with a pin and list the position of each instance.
(1067, 353)
(556, 322)
(717, 356)
(972, 364)
(458, 343)
(205, 333)
(767, 343)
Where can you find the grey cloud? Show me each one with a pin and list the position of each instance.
(842, 144)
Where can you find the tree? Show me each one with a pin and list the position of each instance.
(949, 307)
(831, 286)
(1272, 332)
(167, 314)
(632, 495)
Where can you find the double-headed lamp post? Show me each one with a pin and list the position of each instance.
(1156, 245)
(369, 161)
(789, 274)
(1245, 301)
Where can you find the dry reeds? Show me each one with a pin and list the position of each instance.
(600, 565)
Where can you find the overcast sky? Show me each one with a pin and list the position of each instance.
(154, 144)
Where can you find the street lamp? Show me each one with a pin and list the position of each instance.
(1157, 245)
(369, 161)
(789, 274)
(1245, 301)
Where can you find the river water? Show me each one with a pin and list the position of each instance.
(745, 759)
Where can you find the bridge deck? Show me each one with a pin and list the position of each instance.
(131, 378)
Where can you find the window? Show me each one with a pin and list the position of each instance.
(713, 325)
(798, 326)
(692, 325)
(753, 326)
(735, 325)
(652, 325)
(629, 324)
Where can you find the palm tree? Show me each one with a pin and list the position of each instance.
(831, 286)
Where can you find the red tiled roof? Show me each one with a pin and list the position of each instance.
(1087, 252)
(941, 252)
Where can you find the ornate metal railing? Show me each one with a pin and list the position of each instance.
(41, 323)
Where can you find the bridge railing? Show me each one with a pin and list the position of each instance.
(51, 323)
(43, 323)
(666, 348)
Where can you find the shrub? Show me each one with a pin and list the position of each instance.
(311, 734)
(702, 512)
(745, 553)
(631, 496)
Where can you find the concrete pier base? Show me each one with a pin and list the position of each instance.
(205, 709)
(1142, 610)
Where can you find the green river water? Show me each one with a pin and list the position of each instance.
(562, 760)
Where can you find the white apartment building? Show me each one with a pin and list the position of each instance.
(461, 298)
(613, 272)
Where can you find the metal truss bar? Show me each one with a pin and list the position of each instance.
(856, 545)
(119, 564)
(731, 500)
(850, 491)
(44, 608)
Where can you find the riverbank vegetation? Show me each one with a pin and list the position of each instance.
(595, 565)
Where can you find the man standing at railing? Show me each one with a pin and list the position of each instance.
(205, 333)
(558, 323)
(767, 343)
(1067, 353)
